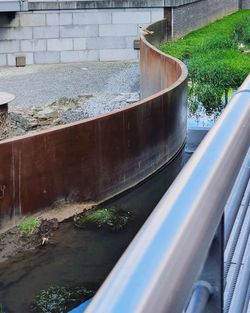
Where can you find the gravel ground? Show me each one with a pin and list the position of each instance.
(50, 95)
(43, 84)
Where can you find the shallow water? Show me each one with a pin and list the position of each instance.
(76, 256)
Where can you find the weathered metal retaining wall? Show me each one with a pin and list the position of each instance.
(97, 158)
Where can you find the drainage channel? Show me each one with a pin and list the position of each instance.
(77, 257)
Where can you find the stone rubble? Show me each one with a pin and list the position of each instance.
(65, 110)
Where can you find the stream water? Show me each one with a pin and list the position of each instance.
(76, 256)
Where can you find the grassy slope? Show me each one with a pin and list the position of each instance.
(213, 57)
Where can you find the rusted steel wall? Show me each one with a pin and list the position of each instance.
(158, 71)
(97, 158)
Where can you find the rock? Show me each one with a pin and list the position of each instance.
(133, 97)
(46, 113)
(65, 110)
(19, 120)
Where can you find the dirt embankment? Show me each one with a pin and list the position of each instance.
(12, 241)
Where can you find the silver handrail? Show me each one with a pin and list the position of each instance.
(157, 271)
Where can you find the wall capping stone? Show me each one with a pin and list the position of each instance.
(104, 4)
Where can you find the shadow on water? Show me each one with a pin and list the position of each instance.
(76, 256)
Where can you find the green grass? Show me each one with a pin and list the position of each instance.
(213, 55)
(108, 218)
(29, 226)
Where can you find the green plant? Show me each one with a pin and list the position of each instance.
(29, 226)
(241, 30)
(214, 60)
(57, 299)
(108, 218)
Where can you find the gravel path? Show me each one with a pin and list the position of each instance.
(43, 84)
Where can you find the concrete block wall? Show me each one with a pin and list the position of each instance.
(245, 4)
(98, 30)
(73, 35)
(191, 16)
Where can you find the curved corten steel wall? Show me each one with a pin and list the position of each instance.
(159, 73)
(97, 158)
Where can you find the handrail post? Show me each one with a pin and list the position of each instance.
(207, 296)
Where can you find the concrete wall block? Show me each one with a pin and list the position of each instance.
(106, 43)
(79, 56)
(3, 59)
(131, 17)
(245, 4)
(60, 44)
(157, 15)
(6, 21)
(46, 32)
(118, 54)
(11, 58)
(52, 19)
(130, 41)
(15, 33)
(65, 18)
(9, 46)
(30, 19)
(33, 45)
(200, 14)
(118, 30)
(92, 18)
(58, 18)
(79, 43)
(79, 31)
(46, 57)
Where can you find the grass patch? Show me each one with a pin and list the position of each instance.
(217, 60)
(57, 299)
(108, 218)
(29, 227)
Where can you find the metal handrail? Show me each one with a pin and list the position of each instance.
(157, 271)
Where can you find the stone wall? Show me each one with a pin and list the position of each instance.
(73, 35)
(191, 16)
(245, 4)
(98, 30)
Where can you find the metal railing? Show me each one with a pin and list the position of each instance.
(158, 270)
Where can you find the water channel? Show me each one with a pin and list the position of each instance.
(81, 257)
